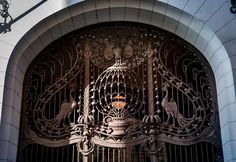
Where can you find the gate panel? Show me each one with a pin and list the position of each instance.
(120, 92)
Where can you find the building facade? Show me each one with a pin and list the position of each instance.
(208, 26)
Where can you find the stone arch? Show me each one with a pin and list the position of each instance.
(84, 14)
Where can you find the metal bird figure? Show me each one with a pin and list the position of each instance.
(66, 109)
(171, 109)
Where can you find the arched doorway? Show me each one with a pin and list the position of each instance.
(120, 91)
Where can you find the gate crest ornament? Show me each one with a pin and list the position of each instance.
(119, 86)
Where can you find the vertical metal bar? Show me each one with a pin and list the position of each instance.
(124, 153)
(85, 158)
(75, 110)
(134, 154)
(52, 157)
(119, 157)
(73, 153)
(92, 157)
(86, 79)
(186, 153)
(41, 153)
(207, 156)
(113, 155)
(46, 157)
(144, 85)
(61, 153)
(176, 158)
(23, 154)
(36, 152)
(57, 154)
(98, 150)
(185, 107)
(56, 103)
(108, 154)
(154, 158)
(86, 101)
(196, 151)
(188, 106)
(86, 90)
(139, 155)
(144, 156)
(181, 154)
(150, 53)
(162, 94)
(212, 153)
(68, 155)
(191, 152)
(170, 152)
(80, 92)
(150, 79)
(103, 154)
(201, 148)
(78, 157)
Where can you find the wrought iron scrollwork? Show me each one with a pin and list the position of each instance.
(48, 79)
(152, 146)
(123, 86)
(85, 145)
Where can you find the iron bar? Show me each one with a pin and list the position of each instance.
(57, 154)
(103, 154)
(74, 150)
(98, 153)
(170, 153)
(108, 154)
(150, 53)
(186, 154)
(78, 156)
(207, 155)
(113, 155)
(31, 153)
(196, 153)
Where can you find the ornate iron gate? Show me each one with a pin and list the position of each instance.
(119, 92)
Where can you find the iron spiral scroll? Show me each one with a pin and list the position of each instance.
(124, 85)
(42, 124)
